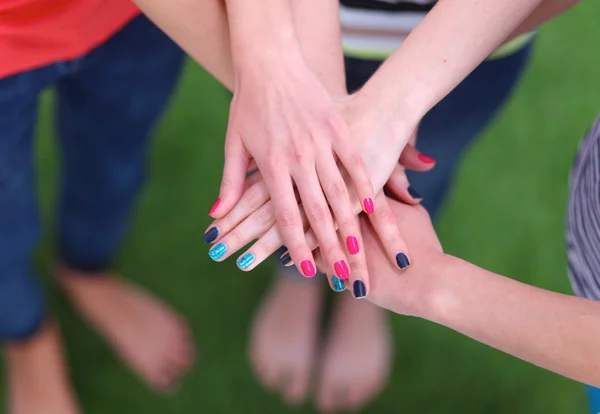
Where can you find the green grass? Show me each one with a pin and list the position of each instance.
(506, 214)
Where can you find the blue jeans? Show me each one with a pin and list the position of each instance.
(107, 104)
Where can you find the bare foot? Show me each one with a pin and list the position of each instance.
(37, 377)
(284, 336)
(150, 337)
(357, 356)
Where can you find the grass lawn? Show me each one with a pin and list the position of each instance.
(505, 214)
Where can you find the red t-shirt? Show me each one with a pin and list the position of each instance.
(35, 33)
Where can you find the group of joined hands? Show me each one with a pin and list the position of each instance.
(352, 211)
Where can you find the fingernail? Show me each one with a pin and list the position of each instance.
(217, 251)
(341, 269)
(413, 193)
(338, 284)
(214, 207)
(424, 158)
(308, 268)
(245, 261)
(360, 291)
(211, 235)
(352, 245)
(369, 207)
(402, 260)
(285, 259)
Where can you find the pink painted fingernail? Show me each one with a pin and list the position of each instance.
(341, 270)
(308, 268)
(214, 207)
(369, 207)
(352, 245)
(424, 158)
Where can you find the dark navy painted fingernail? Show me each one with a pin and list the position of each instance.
(413, 193)
(218, 251)
(245, 261)
(402, 260)
(338, 284)
(360, 291)
(211, 235)
(285, 259)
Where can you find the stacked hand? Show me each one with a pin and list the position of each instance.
(255, 215)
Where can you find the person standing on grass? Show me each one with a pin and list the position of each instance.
(113, 72)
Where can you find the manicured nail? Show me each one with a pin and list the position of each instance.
(352, 245)
(217, 251)
(360, 291)
(341, 269)
(369, 207)
(338, 284)
(211, 235)
(214, 207)
(402, 260)
(245, 261)
(285, 259)
(413, 193)
(424, 158)
(308, 268)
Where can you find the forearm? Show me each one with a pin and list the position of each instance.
(554, 331)
(200, 28)
(318, 27)
(440, 52)
(547, 10)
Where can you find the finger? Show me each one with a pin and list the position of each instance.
(355, 167)
(399, 186)
(412, 159)
(237, 161)
(253, 227)
(320, 220)
(339, 201)
(251, 201)
(335, 283)
(289, 220)
(386, 227)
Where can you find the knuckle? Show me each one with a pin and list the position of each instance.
(355, 160)
(345, 221)
(336, 190)
(287, 219)
(332, 250)
(252, 198)
(225, 184)
(235, 239)
(385, 216)
(265, 215)
(317, 213)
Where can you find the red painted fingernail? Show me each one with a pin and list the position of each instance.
(369, 207)
(424, 158)
(352, 245)
(308, 268)
(341, 270)
(214, 207)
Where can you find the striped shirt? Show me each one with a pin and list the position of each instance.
(583, 217)
(373, 29)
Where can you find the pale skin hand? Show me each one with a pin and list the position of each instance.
(284, 119)
(551, 330)
(238, 228)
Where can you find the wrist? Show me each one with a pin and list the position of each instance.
(443, 298)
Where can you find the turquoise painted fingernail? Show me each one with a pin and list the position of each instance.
(245, 261)
(218, 251)
(338, 284)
